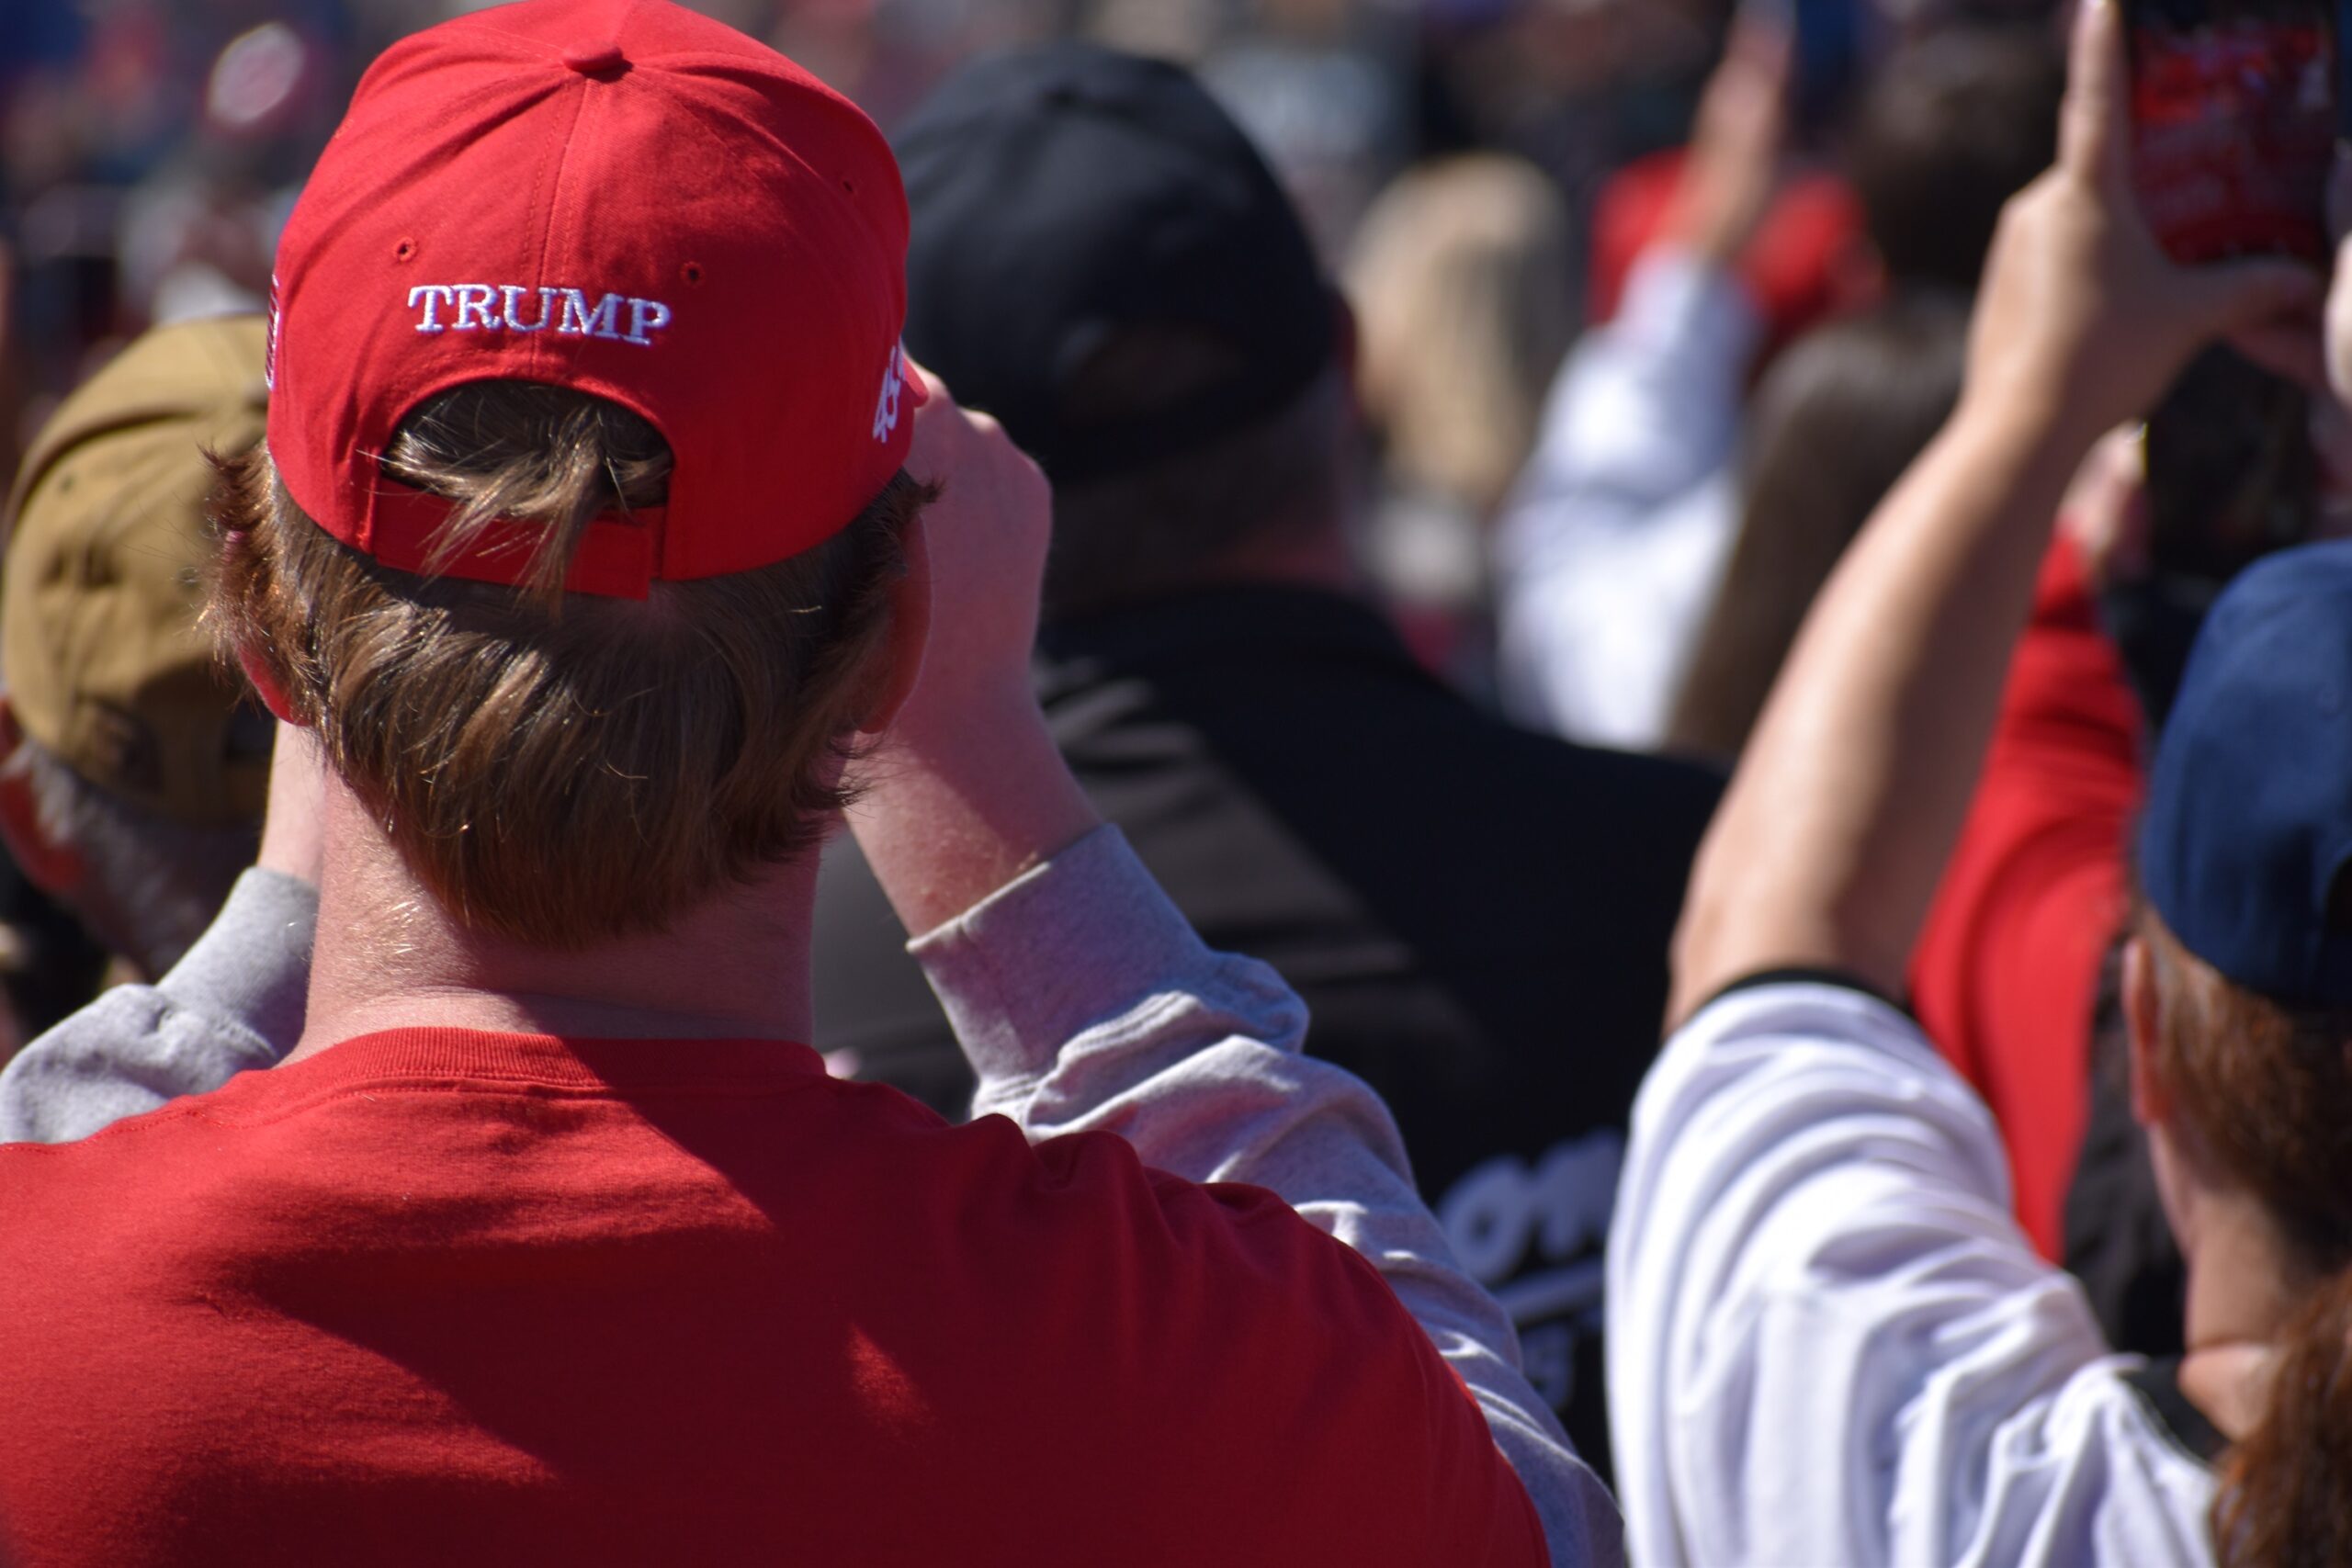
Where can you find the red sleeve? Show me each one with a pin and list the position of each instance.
(2007, 974)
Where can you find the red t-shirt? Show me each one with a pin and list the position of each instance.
(2006, 974)
(438, 1296)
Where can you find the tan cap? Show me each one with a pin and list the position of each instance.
(99, 646)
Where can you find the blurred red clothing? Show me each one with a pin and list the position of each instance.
(2005, 975)
(1800, 269)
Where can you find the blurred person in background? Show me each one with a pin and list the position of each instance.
(1608, 550)
(48, 966)
(1838, 419)
(1952, 126)
(132, 774)
(1612, 551)
(1323, 88)
(1459, 280)
(147, 162)
(1476, 915)
(1816, 1233)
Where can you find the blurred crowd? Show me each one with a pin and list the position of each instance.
(1484, 178)
(150, 150)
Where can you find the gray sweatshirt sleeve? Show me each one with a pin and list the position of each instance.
(234, 1001)
(1086, 1002)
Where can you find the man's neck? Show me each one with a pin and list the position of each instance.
(2243, 1287)
(388, 955)
(1319, 559)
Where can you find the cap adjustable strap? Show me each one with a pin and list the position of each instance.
(616, 558)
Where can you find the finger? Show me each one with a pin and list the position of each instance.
(2246, 297)
(2338, 327)
(1765, 44)
(2095, 127)
(935, 390)
(2269, 310)
(2293, 352)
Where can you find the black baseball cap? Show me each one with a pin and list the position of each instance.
(1103, 260)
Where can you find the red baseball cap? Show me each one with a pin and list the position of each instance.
(622, 198)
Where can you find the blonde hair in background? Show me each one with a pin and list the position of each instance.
(1460, 279)
(563, 770)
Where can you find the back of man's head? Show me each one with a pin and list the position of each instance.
(2239, 987)
(134, 784)
(1104, 262)
(583, 496)
(1959, 121)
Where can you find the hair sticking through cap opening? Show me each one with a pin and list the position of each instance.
(535, 454)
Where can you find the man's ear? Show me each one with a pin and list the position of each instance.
(267, 685)
(54, 868)
(900, 665)
(2143, 1017)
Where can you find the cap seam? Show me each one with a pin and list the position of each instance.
(555, 213)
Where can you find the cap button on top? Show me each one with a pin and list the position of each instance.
(594, 59)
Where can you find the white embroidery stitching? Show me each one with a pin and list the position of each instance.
(894, 384)
(269, 343)
(497, 307)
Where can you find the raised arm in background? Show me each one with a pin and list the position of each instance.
(1608, 554)
(1837, 824)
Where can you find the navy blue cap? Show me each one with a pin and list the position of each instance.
(2248, 821)
(1073, 207)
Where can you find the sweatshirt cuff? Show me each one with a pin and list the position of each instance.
(252, 966)
(1080, 940)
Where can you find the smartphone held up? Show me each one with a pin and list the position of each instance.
(2236, 109)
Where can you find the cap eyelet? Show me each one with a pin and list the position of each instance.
(405, 250)
(691, 272)
(849, 185)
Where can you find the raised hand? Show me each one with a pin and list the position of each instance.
(967, 789)
(2084, 321)
(1735, 147)
(986, 538)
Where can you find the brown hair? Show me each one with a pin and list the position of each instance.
(1957, 122)
(2266, 1092)
(1836, 423)
(563, 769)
